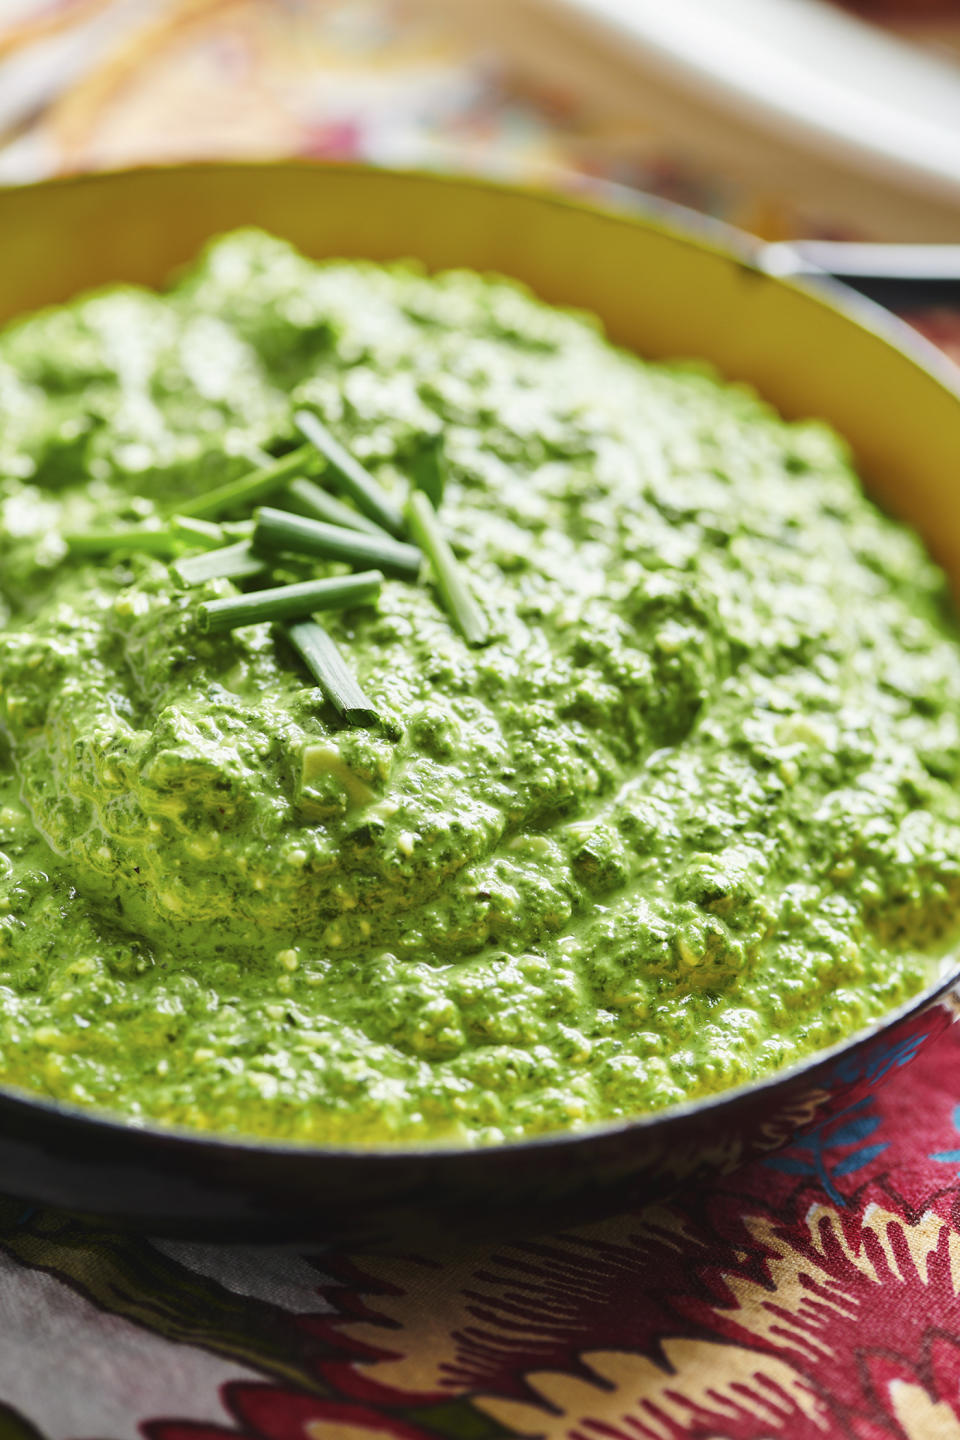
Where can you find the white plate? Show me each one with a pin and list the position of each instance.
(792, 100)
(805, 70)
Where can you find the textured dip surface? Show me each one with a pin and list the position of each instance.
(691, 815)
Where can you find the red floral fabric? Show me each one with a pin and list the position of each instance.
(813, 1294)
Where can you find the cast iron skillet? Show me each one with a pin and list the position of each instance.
(666, 285)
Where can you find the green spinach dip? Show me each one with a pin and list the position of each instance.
(690, 815)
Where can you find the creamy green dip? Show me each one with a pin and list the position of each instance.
(691, 815)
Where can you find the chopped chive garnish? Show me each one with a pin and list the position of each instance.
(289, 602)
(248, 489)
(232, 562)
(237, 529)
(358, 483)
(309, 499)
(278, 530)
(106, 542)
(451, 581)
(200, 534)
(330, 670)
(429, 469)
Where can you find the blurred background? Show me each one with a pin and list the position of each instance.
(790, 118)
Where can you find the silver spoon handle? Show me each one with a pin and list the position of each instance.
(895, 275)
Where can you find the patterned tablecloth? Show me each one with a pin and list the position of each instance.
(815, 1294)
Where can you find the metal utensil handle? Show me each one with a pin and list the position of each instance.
(895, 275)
